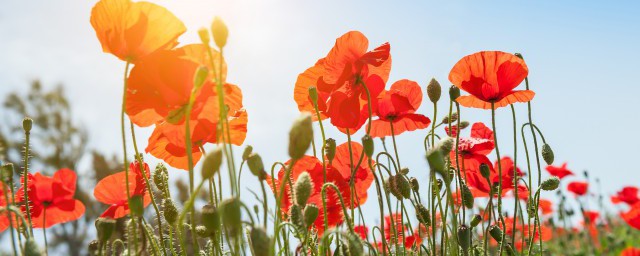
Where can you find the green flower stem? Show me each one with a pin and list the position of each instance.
(495, 139)
(124, 145)
(13, 236)
(189, 149)
(187, 207)
(515, 173)
(380, 205)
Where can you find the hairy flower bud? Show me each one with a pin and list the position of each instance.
(403, 185)
(467, 196)
(211, 164)
(202, 231)
(484, 171)
(392, 186)
(247, 151)
(446, 145)
(300, 136)
(354, 244)
(547, 154)
(295, 215)
(414, 184)
(436, 160)
(434, 90)
(200, 77)
(496, 233)
(454, 92)
(256, 166)
(105, 228)
(31, 248)
(330, 149)
(450, 119)
(260, 242)
(464, 124)
(136, 205)
(210, 218)
(550, 184)
(422, 213)
(476, 220)
(231, 215)
(170, 211)
(7, 173)
(464, 237)
(160, 177)
(313, 95)
(302, 189)
(367, 143)
(27, 124)
(311, 213)
(220, 32)
(203, 33)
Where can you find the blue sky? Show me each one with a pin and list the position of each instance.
(582, 58)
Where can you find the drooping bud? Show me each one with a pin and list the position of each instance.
(313, 95)
(450, 119)
(414, 184)
(547, 154)
(300, 136)
(392, 186)
(27, 124)
(231, 215)
(7, 173)
(200, 77)
(330, 149)
(496, 233)
(464, 237)
(454, 92)
(136, 205)
(422, 213)
(311, 213)
(354, 244)
(476, 220)
(204, 36)
(247, 151)
(31, 248)
(170, 211)
(260, 242)
(519, 55)
(550, 184)
(446, 145)
(434, 90)
(295, 215)
(104, 228)
(367, 143)
(220, 32)
(467, 196)
(302, 188)
(485, 171)
(211, 164)
(210, 218)
(436, 160)
(404, 170)
(403, 185)
(464, 124)
(256, 166)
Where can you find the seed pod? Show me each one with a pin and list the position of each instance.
(436, 160)
(330, 149)
(313, 94)
(476, 220)
(464, 237)
(104, 228)
(256, 166)
(220, 32)
(367, 143)
(231, 215)
(260, 242)
(136, 205)
(27, 124)
(7, 173)
(211, 164)
(414, 184)
(454, 92)
(295, 215)
(300, 136)
(210, 218)
(467, 196)
(247, 151)
(302, 188)
(31, 248)
(170, 211)
(311, 213)
(203, 33)
(496, 233)
(403, 185)
(434, 90)
(422, 213)
(547, 154)
(550, 184)
(485, 171)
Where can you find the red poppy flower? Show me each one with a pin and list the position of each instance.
(578, 188)
(397, 107)
(313, 166)
(112, 190)
(490, 76)
(362, 231)
(591, 216)
(546, 206)
(559, 171)
(630, 251)
(632, 217)
(4, 198)
(628, 195)
(362, 174)
(340, 78)
(410, 237)
(472, 152)
(51, 198)
(133, 30)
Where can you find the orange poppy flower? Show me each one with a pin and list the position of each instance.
(630, 251)
(559, 171)
(313, 166)
(339, 78)
(132, 30)
(632, 217)
(51, 198)
(490, 76)
(363, 176)
(628, 195)
(546, 206)
(409, 239)
(578, 188)
(4, 219)
(397, 107)
(112, 190)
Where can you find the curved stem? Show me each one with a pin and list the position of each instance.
(495, 139)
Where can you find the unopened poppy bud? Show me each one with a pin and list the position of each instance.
(403, 185)
(27, 124)
(467, 196)
(311, 213)
(210, 218)
(104, 228)
(484, 170)
(136, 205)
(231, 215)
(450, 119)
(404, 170)
(454, 92)
(313, 94)
(211, 164)
(496, 233)
(260, 242)
(31, 248)
(330, 149)
(547, 154)
(256, 166)
(354, 244)
(434, 90)
(464, 124)
(295, 215)
(7, 173)
(170, 211)
(476, 220)
(464, 237)
(422, 213)
(247, 151)
(446, 145)
(519, 55)
(550, 184)
(300, 136)
(414, 184)
(436, 160)
(202, 231)
(220, 32)
(200, 77)
(204, 36)
(392, 186)
(302, 188)
(367, 143)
